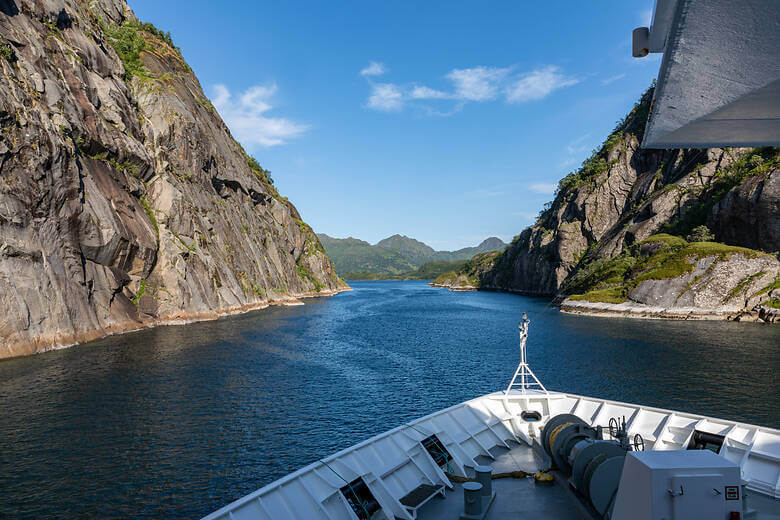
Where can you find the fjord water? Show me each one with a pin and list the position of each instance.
(175, 422)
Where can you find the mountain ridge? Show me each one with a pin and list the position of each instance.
(394, 256)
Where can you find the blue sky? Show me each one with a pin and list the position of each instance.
(445, 121)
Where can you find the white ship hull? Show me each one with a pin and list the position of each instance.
(394, 463)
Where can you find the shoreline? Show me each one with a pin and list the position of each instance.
(462, 288)
(50, 343)
(392, 280)
(641, 311)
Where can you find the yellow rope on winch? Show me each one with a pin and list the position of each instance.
(554, 435)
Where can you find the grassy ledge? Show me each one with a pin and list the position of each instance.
(659, 257)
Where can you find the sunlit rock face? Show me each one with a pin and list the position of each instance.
(124, 200)
(623, 195)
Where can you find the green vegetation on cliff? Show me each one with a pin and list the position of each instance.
(659, 257)
(471, 273)
(598, 161)
(757, 161)
(128, 42)
(629, 215)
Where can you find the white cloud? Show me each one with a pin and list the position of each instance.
(428, 93)
(478, 83)
(612, 79)
(543, 187)
(246, 120)
(374, 68)
(538, 84)
(386, 97)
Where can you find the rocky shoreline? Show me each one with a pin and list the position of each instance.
(52, 342)
(638, 310)
(454, 288)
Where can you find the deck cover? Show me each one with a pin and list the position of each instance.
(719, 83)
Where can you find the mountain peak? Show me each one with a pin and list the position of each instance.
(491, 244)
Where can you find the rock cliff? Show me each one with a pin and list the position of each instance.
(124, 200)
(623, 195)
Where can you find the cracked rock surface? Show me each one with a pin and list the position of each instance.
(126, 203)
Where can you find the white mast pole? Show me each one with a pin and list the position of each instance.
(527, 377)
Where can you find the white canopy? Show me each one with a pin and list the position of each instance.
(719, 83)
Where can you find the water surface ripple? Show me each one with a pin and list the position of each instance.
(175, 422)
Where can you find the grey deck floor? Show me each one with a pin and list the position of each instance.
(513, 496)
(516, 497)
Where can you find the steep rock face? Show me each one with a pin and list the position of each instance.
(624, 194)
(717, 287)
(124, 200)
(749, 214)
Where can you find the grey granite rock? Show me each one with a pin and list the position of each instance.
(127, 204)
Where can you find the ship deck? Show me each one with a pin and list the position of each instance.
(522, 495)
(400, 468)
(513, 495)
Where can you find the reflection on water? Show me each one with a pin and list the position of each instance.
(178, 421)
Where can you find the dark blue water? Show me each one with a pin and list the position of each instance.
(178, 421)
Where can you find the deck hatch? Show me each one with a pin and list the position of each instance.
(436, 450)
(706, 441)
(360, 499)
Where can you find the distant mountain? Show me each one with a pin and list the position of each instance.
(489, 244)
(351, 255)
(397, 257)
(413, 250)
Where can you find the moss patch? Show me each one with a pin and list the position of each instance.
(128, 42)
(305, 274)
(610, 280)
(446, 278)
(664, 238)
(149, 213)
(612, 295)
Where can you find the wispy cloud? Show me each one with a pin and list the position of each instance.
(374, 68)
(577, 146)
(538, 84)
(475, 84)
(245, 116)
(478, 83)
(574, 151)
(543, 188)
(418, 92)
(612, 79)
(386, 97)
